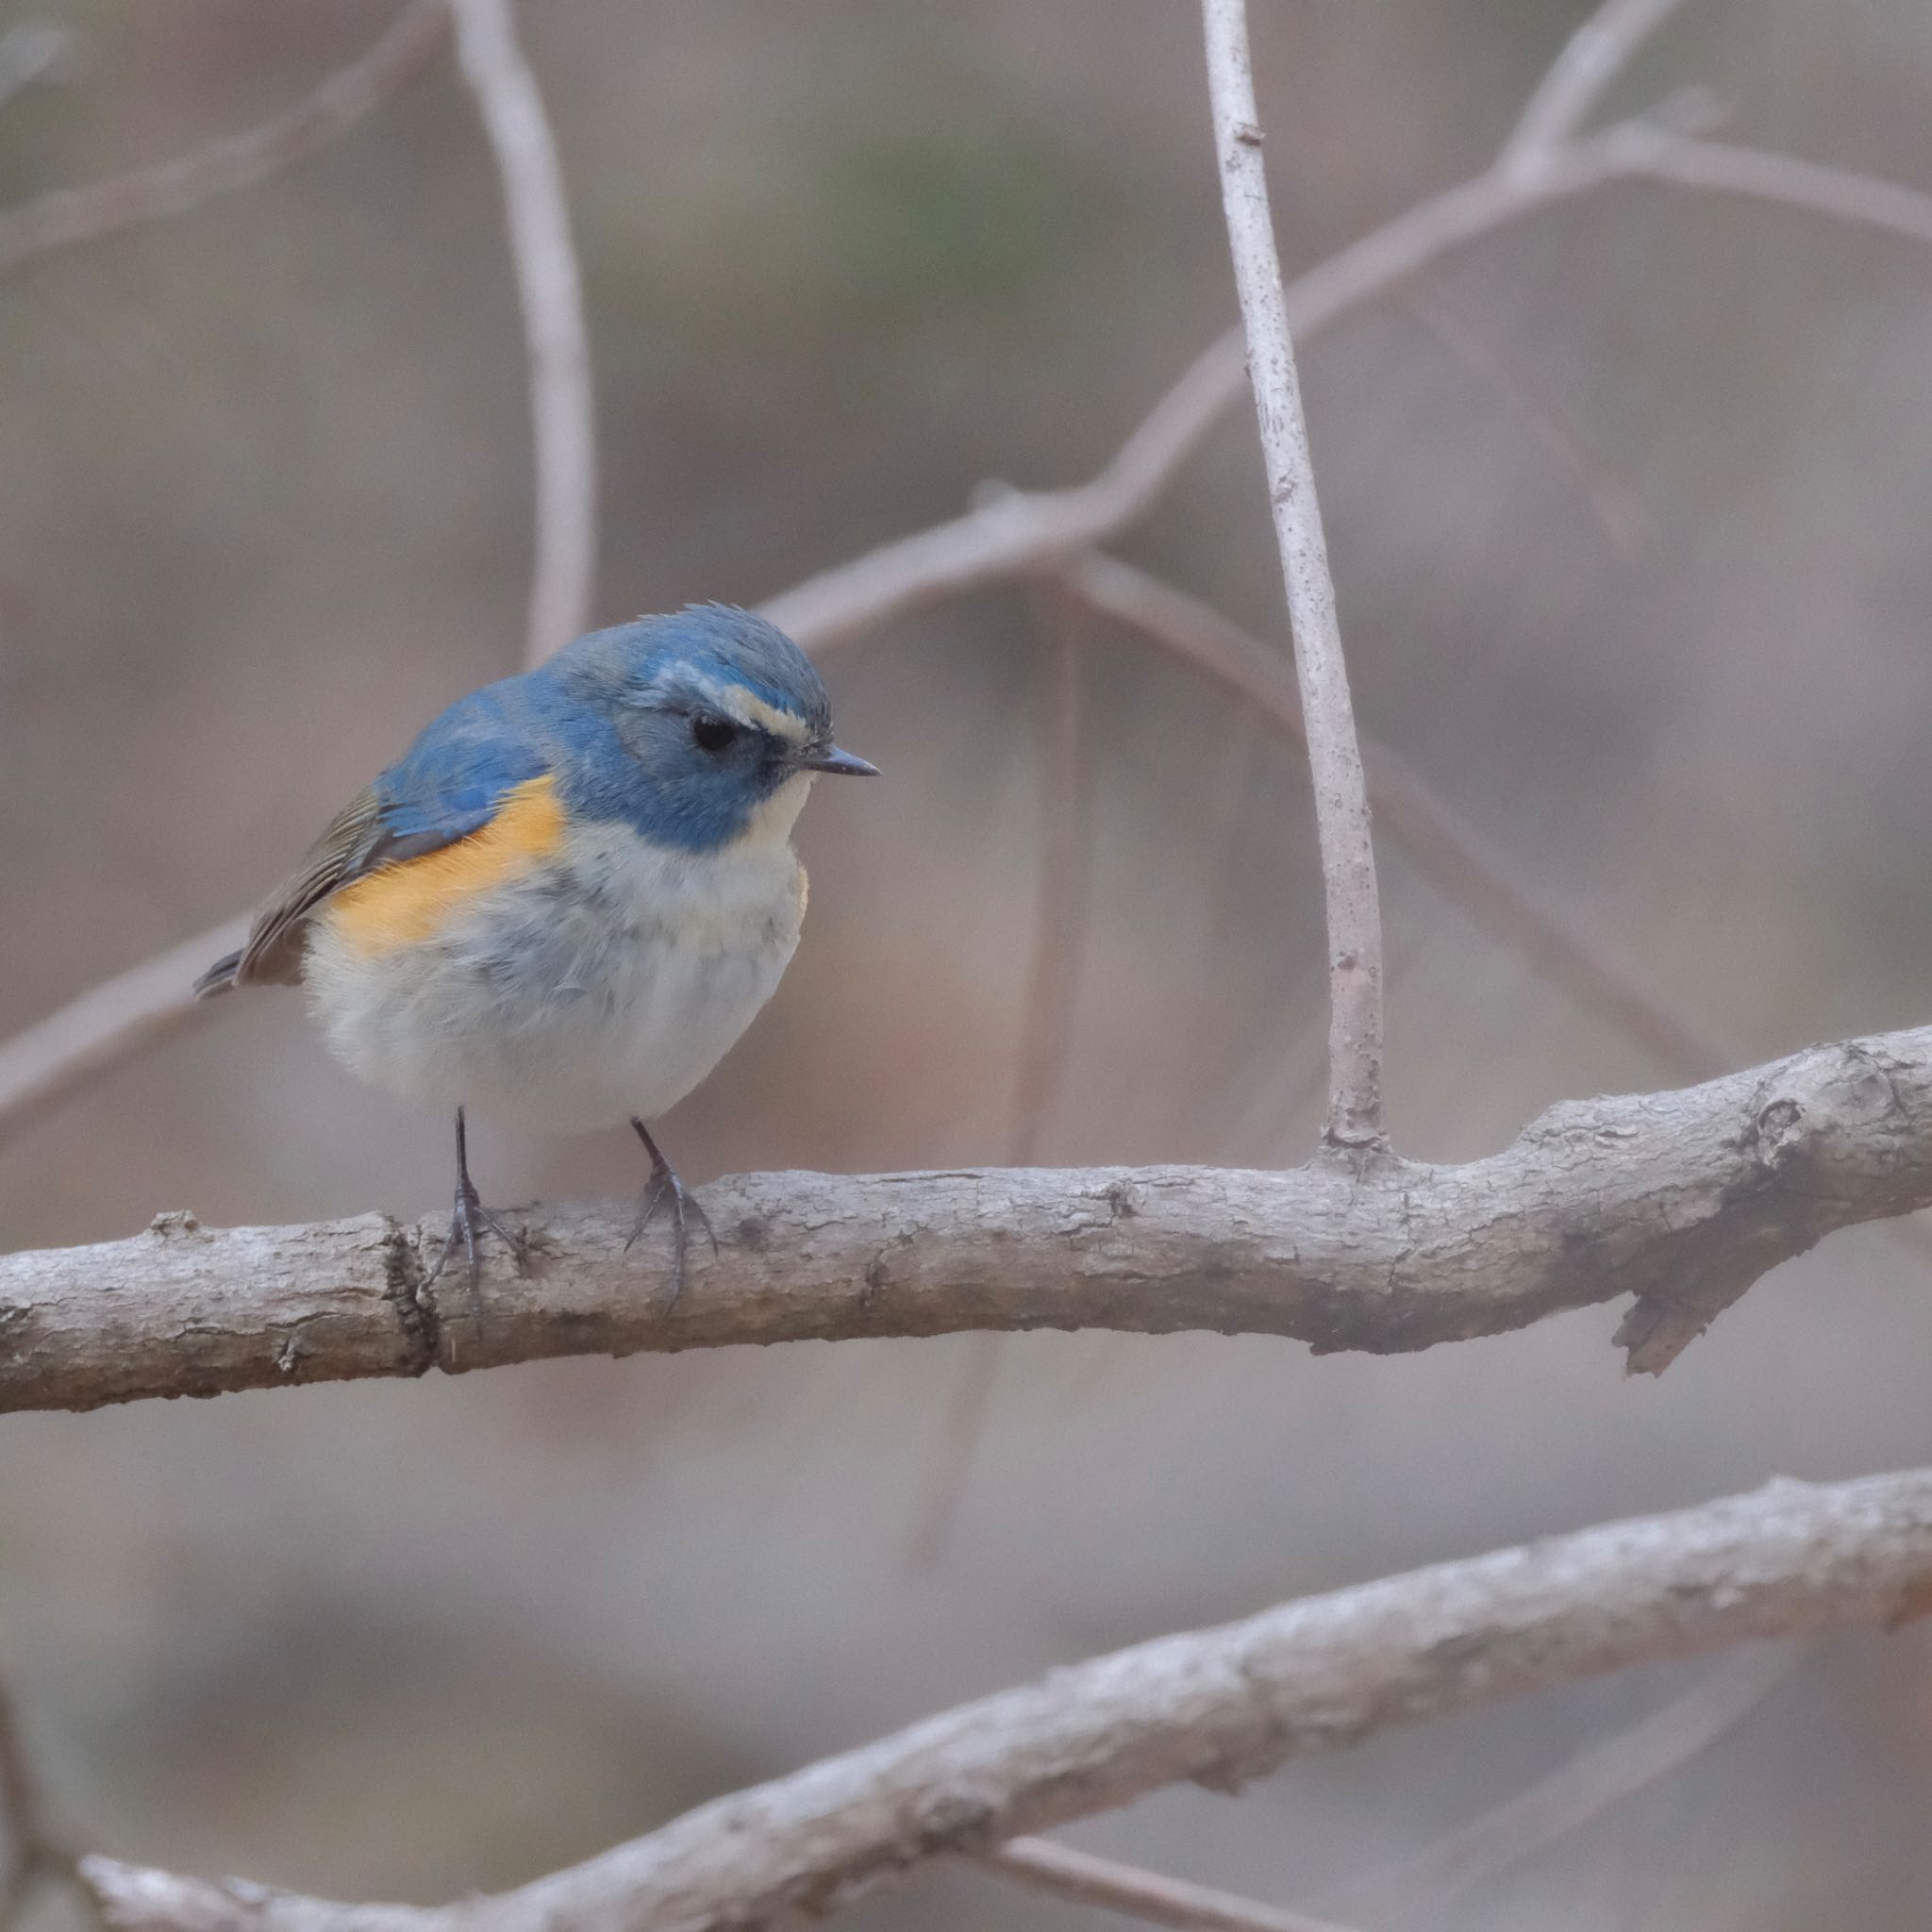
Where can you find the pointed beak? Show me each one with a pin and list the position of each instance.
(830, 758)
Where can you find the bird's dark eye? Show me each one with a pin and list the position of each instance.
(713, 733)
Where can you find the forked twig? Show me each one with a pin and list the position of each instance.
(1592, 57)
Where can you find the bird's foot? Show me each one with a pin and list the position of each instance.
(470, 1219)
(664, 1186)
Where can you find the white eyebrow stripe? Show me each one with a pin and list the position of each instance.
(747, 708)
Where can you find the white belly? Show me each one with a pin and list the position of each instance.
(605, 986)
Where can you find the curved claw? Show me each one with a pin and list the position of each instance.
(469, 1219)
(665, 1186)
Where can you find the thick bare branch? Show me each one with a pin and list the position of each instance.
(1679, 1199)
(550, 291)
(1417, 820)
(1217, 1707)
(1335, 765)
(72, 215)
(1152, 1896)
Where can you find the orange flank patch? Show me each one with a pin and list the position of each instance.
(405, 904)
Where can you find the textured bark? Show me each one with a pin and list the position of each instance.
(1217, 1707)
(1679, 1199)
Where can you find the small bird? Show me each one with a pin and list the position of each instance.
(570, 896)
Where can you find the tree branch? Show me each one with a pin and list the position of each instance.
(1335, 765)
(72, 215)
(1409, 811)
(1591, 59)
(1060, 919)
(66, 1052)
(550, 293)
(1217, 1707)
(1679, 1199)
(1602, 1774)
(1045, 1865)
(34, 1852)
(31, 54)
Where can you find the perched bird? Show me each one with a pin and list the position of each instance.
(570, 896)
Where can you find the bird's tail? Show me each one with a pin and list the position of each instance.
(220, 978)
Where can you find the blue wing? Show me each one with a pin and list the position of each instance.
(447, 785)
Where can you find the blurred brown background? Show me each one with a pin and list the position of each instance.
(266, 510)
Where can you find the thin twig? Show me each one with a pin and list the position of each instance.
(1219, 1707)
(1003, 537)
(31, 53)
(20, 1810)
(1059, 922)
(1619, 510)
(1601, 1775)
(962, 1427)
(1714, 167)
(1418, 819)
(1048, 1866)
(1593, 57)
(1407, 810)
(1046, 1024)
(33, 1851)
(549, 288)
(51, 1062)
(71, 215)
(1342, 804)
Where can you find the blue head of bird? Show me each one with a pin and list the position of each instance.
(697, 728)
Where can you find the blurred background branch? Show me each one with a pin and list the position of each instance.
(66, 217)
(1147, 1895)
(550, 293)
(1221, 1707)
(31, 1852)
(1603, 1775)
(31, 54)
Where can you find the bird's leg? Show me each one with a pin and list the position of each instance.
(664, 1186)
(470, 1217)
